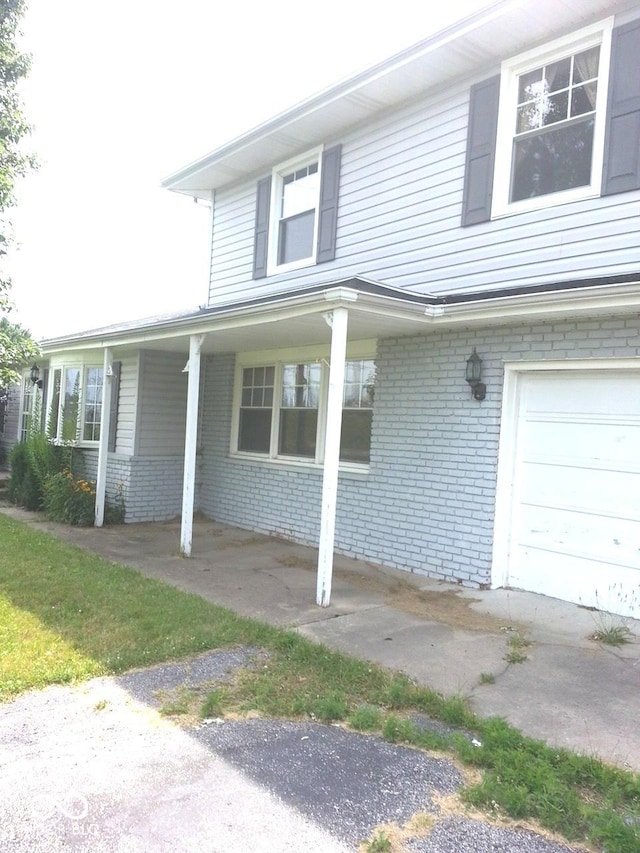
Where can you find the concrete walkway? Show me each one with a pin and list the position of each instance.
(570, 691)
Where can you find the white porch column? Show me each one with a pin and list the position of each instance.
(190, 445)
(103, 446)
(337, 319)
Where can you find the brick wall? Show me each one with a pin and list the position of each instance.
(427, 503)
(152, 486)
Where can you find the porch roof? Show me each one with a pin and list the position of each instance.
(375, 311)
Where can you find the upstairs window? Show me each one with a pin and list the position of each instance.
(297, 203)
(293, 226)
(297, 213)
(550, 137)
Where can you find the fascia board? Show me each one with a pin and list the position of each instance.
(608, 299)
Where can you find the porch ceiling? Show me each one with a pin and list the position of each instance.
(302, 330)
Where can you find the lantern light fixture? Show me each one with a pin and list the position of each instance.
(34, 375)
(473, 375)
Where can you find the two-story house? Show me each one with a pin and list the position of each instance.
(422, 339)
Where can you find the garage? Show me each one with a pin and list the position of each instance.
(568, 504)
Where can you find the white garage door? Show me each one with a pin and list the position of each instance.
(575, 505)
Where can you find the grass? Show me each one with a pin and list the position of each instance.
(515, 653)
(66, 615)
(613, 635)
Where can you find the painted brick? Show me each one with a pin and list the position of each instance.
(427, 502)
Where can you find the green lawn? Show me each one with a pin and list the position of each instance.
(67, 615)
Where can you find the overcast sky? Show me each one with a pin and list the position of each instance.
(123, 93)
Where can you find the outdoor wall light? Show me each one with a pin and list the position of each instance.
(35, 376)
(473, 375)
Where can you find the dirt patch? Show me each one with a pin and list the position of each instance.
(447, 606)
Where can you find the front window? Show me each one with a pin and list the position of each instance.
(28, 395)
(281, 406)
(551, 123)
(256, 407)
(92, 404)
(75, 404)
(70, 405)
(357, 410)
(299, 410)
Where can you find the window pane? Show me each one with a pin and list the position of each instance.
(556, 160)
(583, 99)
(254, 429)
(355, 441)
(298, 428)
(254, 434)
(299, 191)
(530, 85)
(54, 407)
(301, 385)
(70, 404)
(359, 384)
(585, 65)
(92, 404)
(558, 74)
(295, 240)
(555, 108)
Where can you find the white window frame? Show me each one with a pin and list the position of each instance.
(355, 351)
(596, 34)
(83, 367)
(28, 393)
(278, 174)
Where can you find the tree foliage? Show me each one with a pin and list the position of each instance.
(16, 345)
(17, 349)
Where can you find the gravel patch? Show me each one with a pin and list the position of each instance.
(459, 835)
(345, 782)
(145, 684)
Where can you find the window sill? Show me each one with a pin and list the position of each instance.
(294, 265)
(297, 464)
(500, 211)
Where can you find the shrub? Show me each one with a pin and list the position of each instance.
(69, 499)
(24, 488)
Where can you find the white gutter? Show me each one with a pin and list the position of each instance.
(609, 298)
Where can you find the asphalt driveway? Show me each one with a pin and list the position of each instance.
(95, 767)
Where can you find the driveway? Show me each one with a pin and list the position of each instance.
(97, 768)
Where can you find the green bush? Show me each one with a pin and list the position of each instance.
(69, 499)
(24, 488)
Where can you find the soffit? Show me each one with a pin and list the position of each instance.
(473, 47)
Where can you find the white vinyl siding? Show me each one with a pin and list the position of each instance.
(127, 404)
(162, 404)
(400, 202)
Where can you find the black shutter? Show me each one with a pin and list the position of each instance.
(481, 151)
(260, 246)
(621, 167)
(115, 398)
(328, 212)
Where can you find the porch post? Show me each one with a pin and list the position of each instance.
(103, 446)
(337, 319)
(190, 444)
